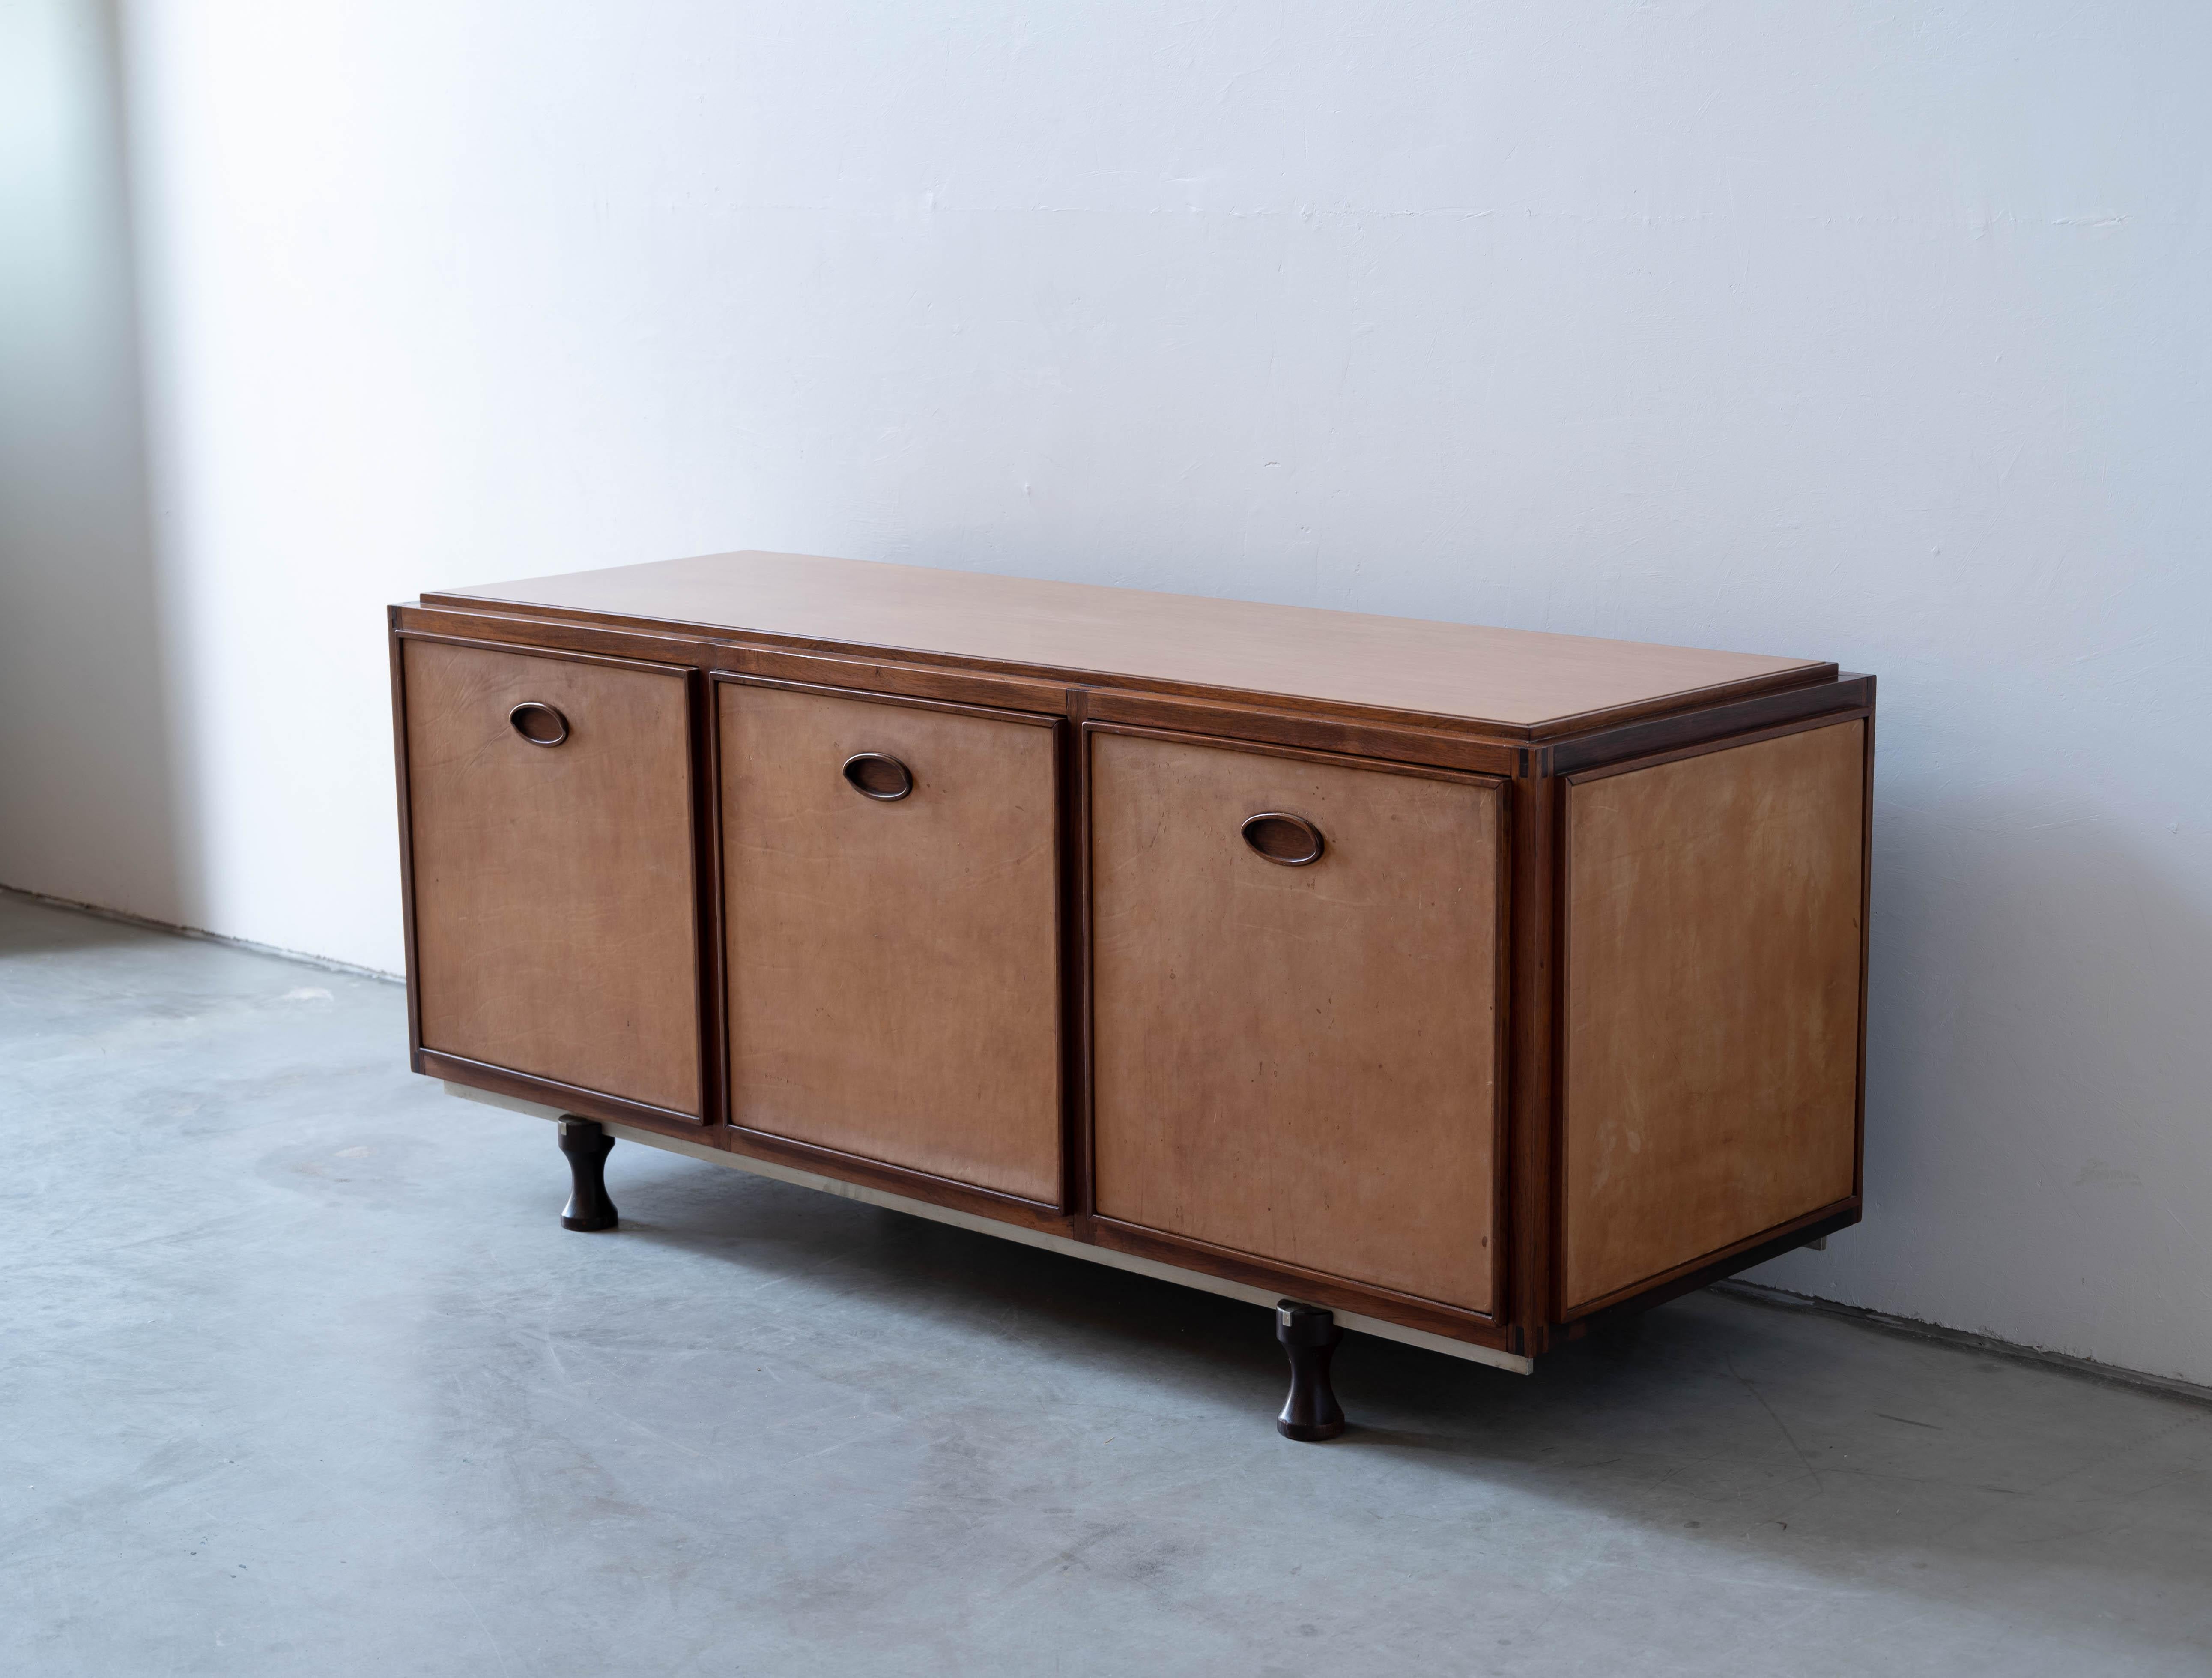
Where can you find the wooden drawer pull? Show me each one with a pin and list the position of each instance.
(873, 776)
(539, 723)
(1292, 841)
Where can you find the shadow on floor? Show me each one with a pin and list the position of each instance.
(1716, 1420)
(38, 927)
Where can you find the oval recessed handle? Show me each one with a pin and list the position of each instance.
(873, 776)
(539, 723)
(1292, 841)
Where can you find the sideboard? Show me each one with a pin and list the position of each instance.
(1472, 987)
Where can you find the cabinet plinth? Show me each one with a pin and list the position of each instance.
(1471, 984)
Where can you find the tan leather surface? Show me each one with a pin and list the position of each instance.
(893, 978)
(1298, 1062)
(1713, 951)
(554, 898)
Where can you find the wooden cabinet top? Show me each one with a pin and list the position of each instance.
(1518, 682)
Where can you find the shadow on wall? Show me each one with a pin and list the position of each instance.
(85, 718)
(2036, 1057)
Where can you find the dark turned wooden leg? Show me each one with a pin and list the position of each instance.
(1308, 1335)
(587, 1147)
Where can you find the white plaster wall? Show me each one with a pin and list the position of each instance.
(1873, 332)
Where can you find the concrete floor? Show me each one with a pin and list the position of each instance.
(301, 1375)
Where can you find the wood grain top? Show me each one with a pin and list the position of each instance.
(1516, 681)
